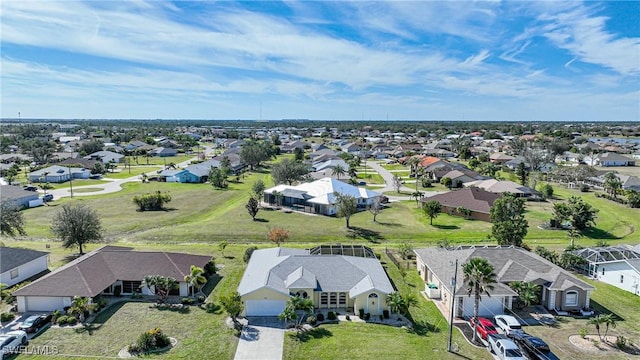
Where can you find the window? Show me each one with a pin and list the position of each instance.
(373, 295)
(571, 298)
(324, 298)
(621, 279)
(302, 294)
(14, 273)
(602, 271)
(342, 299)
(333, 299)
(129, 287)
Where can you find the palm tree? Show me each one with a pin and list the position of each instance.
(79, 306)
(295, 305)
(395, 301)
(609, 321)
(479, 276)
(195, 278)
(597, 321)
(573, 234)
(529, 293)
(413, 166)
(612, 183)
(338, 171)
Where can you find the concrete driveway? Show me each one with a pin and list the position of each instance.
(261, 339)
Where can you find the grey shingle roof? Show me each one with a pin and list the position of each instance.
(93, 272)
(11, 258)
(510, 264)
(281, 269)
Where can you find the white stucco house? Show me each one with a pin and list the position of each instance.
(333, 277)
(109, 270)
(615, 265)
(560, 290)
(17, 265)
(318, 196)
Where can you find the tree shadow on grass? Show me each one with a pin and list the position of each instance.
(446, 227)
(595, 233)
(211, 284)
(601, 309)
(361, 233)
(88, 328)
(388, 224)
(261, 220)
(422, 328)
(316, 333)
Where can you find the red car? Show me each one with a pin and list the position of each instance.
(485, 327)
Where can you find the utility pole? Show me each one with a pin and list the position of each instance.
(70, 181)
(454, 281)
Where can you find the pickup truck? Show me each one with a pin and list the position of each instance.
(504, 348)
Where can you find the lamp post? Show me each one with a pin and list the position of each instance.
(454, 281)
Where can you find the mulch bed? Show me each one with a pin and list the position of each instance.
(467, 331)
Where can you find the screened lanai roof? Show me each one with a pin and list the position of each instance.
(608, 253)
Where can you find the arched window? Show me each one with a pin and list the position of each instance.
(571, 298)
(373, 295)
(302, 294)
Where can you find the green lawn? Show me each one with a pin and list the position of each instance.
(348, 340)
(395, 167)
(154, 160)
(76, 182)
(135, 170)
(370, 177)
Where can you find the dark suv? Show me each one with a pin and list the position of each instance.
(34, 323)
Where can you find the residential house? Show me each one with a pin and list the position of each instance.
(346, 278)
(628, 182)
(615, 265)
(458, 176)
(499, 158)
(291, 146)
(477, 201)
(109, 270)
(17, 265)
(163, 152)
(560, 291)
(105, 156)
(351, 148)
(504, 186)
(514, 163)
(318, 196)
(609, 159)
(19, 197)
(58, 174)
(330, 164)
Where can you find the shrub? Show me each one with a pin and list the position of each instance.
(582, 332)
(210, 267)
(117, 290)
(136, 295)
(367, 316)
(54, 316)
(331, 315)
(361, 313)
(150, 340)
(100, 302)
(381, 317)
(348, 317)
(320, 317)
(151, 201)
(248, 252)
(621, 342)
(71, 320)
(187, 301)
(385, 314)
(62, 320)
(311, 320)
(201, 298)
(7, 316)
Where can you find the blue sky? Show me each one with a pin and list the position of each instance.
(431, 60)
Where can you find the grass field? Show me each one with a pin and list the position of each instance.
(124, 173)
(395, 167)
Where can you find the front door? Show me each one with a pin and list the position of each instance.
(373, 304)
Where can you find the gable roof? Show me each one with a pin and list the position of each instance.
(12, 192)
(502, 186)
(474, 199)
(11, 258)
(510, 264)
(282, 269)
(322, 191)
(93, 272)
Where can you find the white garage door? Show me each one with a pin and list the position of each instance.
(264, 307)
(44, 303)
(488, 306)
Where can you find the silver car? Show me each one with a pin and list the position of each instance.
(10, 342)
(508, 324)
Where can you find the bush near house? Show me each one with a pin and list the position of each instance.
(150, 340)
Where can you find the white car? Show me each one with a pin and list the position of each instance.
(508, 324)
(504, 348)
(10, 342)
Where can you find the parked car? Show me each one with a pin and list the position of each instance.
(47, 198)
(11, 342)
(508, 324)
(30, 188)
(35, 322)
(504, 348)
(535, 347)
(485, 327)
